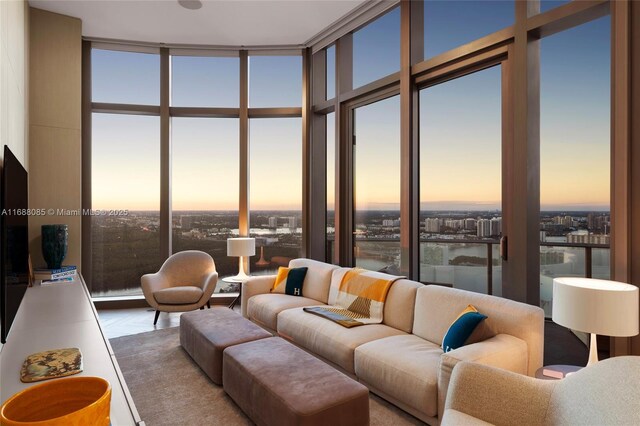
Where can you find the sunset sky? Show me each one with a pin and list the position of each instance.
(460, 124)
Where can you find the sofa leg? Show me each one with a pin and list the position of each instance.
(209, 304)
(155, 320)
(202, 307)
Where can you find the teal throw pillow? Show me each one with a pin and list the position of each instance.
(462, 328)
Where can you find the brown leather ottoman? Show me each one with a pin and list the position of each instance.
(205, 334)
(277, 383)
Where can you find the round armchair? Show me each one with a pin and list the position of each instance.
(185, 282)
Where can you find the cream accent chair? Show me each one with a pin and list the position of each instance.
(185, 282)
(606, 393)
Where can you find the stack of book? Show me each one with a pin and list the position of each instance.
(50, 276)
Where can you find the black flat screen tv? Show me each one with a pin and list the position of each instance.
(14, 254)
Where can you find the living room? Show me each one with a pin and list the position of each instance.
(314, 212)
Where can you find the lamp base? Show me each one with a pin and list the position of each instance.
(593, 350)
(242, 276)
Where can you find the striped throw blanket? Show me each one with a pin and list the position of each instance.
(360, 299)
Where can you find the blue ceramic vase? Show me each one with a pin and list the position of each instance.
(54, 244)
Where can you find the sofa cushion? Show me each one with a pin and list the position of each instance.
(398, 308)
(264, 308)
(318, 279)
(184, 295)
(328, 339)
(404, 367)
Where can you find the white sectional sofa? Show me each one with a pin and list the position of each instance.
(401, 359)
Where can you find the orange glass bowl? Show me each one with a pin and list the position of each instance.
(75, 401)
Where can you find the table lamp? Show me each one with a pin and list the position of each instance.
(597, 307)
(241, 247)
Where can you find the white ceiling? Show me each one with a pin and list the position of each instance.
(218, 22)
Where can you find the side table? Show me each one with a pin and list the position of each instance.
(231, 280)
(564, 369)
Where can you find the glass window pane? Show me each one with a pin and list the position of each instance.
(558, 262)
(450, 24)
(276, 192)
(125, 77)
(331, 72)
(275, 81)
(205, 81)
(205, 185)
(376, 49)
(331, 182)
(463, 265)
(461, 177)
(377, 185)
(125, 175)
(575, 145)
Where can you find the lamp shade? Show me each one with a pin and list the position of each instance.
(603, 307)
(237, 247)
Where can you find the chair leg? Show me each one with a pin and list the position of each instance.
(202, 307)
(209, 304)
(155, 320)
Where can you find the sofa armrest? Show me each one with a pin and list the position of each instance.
(151, 283)
(260, 284)
(502, 351)
(495, 396)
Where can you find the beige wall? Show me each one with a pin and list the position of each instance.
(54, 133)
(14, 72)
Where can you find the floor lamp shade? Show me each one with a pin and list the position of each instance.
(595, 306)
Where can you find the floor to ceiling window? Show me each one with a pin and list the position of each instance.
(204, 165)
(275, 162)
(574, 155)
(461, 181)
(125, 166)
(376, 185)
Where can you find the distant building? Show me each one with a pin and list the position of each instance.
(292, 222)
(496, 226)
(470, 224)
(273, 222)
(598, 222)
(584, 237)
(566, 221)
(186, 222)
(391, 223)
(454, 224)
(484, 228)
(432, 224)
(543, 236)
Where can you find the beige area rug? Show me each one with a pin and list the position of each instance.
(168, 388)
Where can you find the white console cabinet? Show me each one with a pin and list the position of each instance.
(63, 316)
